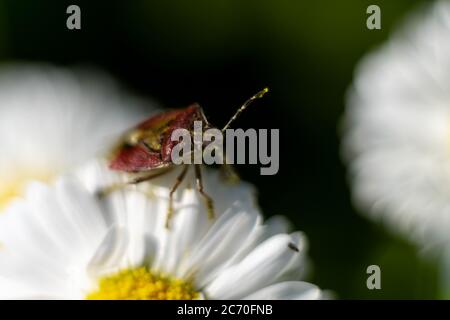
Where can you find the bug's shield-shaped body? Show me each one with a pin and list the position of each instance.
(149, 146)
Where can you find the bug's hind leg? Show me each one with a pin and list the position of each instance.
(178, 181)
(208, 199)
(105, 191)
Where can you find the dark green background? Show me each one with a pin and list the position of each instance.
(220, 52)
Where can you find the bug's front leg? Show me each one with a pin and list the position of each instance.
(178, 181)
(229, 174)
(208, 199)
(227, 171)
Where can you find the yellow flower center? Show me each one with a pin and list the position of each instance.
(142, 284)
(13, 186)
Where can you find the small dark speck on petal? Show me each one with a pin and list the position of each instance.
(293, 247)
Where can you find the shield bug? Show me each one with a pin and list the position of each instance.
(147, 148)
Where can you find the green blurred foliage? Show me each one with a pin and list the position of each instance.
(218, 53)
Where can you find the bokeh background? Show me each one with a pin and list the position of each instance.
(220, 52)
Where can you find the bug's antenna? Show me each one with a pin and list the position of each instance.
(258, 95)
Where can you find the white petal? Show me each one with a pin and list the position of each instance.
(293, 290)
(82, 208)
(189, 225)
(111, 254)
(258, 269)
(222, 242)
(277, 224)
(20, 290)
(51, 232)
(296, 268)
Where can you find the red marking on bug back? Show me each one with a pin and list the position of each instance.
(135, 159)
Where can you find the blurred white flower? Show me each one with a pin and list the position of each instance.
(62, 242)
(52, 119)
(397, 129)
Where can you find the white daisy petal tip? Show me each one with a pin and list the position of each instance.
(290, 290)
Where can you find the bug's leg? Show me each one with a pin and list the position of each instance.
(105, 191)
(227, 170)
(229, 173)
(178, 181)
(208, 200)
(146, 178)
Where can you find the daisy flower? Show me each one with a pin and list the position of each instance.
(61, 242)
(52, 119)
(397, 129)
